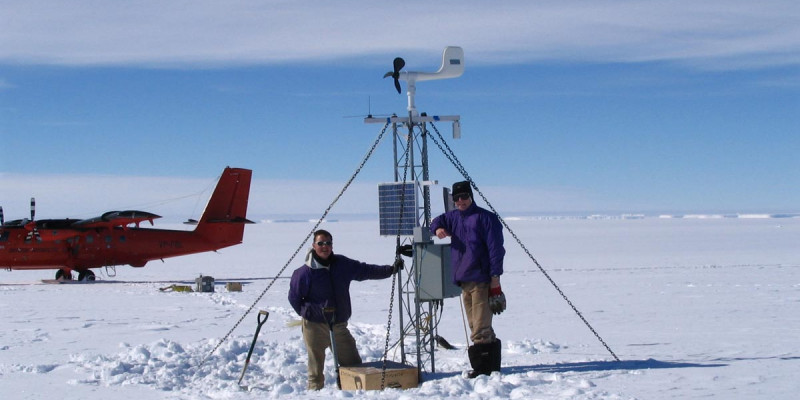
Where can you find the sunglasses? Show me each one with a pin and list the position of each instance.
(461, 196)
(326, 243)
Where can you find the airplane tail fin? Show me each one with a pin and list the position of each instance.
(223, 220)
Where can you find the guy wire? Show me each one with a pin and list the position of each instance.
(454, 160)
(300, 247)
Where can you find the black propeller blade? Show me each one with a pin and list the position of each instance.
(398, 64)
(2, 219)
(34, 232)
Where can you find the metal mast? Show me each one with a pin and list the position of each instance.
(410, 149)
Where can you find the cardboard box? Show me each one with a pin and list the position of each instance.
(233, 286)
(367, 376)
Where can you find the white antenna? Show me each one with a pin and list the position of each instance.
(452, 67)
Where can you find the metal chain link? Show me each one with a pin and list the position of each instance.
(454, 160)
(397, 256)
(302, 244)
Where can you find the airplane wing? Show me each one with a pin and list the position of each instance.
(46, 229)
(113, 219)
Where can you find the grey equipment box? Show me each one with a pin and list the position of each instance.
(435, 272)
(204, 284)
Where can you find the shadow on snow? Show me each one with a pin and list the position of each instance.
(589, 366)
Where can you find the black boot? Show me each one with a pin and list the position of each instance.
(495, 355)
(480, 359)
(484, 358)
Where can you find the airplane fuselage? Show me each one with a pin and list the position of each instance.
(93, 249)
(115, 237)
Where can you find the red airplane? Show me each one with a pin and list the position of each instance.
(115, 238)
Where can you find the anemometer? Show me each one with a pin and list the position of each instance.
(452, 67)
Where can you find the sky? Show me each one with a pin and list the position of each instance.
(565, 106)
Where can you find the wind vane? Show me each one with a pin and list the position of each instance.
(452, 67)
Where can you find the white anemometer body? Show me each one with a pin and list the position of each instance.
(452, 67)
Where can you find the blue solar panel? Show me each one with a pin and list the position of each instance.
(392, 199)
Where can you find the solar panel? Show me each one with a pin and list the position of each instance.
(392, 199)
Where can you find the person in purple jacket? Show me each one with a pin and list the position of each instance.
(476, 255)
(319, 292)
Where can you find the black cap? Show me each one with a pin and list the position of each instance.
(462, 187)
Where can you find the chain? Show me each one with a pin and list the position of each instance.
(409, 145)
(454, 160)
(302, 244)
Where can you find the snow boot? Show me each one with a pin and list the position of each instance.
(479, 359)
(495, 353)
(484, 358)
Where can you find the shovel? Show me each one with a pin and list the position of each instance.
(261, 322)
(331, 311)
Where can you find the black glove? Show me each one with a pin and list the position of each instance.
(398, 265)
(497, 300)
(405, 250)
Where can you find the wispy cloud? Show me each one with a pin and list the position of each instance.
(177, 199)
(708, 34)
(4, 84)
(85, 196)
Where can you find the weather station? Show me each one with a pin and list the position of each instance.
(405, 212)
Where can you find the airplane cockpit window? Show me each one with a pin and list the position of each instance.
(4, 236)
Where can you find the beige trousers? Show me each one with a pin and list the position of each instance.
(317, 338)
(476, 304)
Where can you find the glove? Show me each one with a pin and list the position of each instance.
(497, 300)
(405, 250)
(398, 265)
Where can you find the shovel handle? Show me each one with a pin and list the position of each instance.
(261, 322)
(332, 312)
(265, 314)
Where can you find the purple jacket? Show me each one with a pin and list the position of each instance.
(312, 289)
(476, 243)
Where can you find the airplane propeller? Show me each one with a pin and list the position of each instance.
(398, 64)
(2, 219)
(32, 225)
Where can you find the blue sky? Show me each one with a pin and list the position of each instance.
(623, 106)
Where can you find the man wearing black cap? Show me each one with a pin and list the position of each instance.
(476, 254)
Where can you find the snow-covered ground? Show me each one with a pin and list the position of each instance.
(693, 307)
